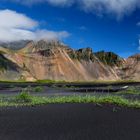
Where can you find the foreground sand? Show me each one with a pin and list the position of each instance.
(69, 122)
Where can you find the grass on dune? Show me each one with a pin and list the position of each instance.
(25, 99)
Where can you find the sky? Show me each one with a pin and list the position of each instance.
(109, 25)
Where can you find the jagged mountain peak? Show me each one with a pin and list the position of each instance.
(42, 45)
(109, 58)
(87, 49)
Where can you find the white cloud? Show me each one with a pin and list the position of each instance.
(11, 34)
(50, 35)
(119, 8)
(139, 45)
(12, 19)
(16, 26)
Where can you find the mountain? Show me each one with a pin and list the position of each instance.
(9, 69)
(53, 60)
(15, 45)
(131, 68)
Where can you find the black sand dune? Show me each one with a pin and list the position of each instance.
(69, 122)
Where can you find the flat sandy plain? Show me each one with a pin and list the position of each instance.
(69, 122)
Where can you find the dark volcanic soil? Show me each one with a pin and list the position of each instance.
(69, 122)
(68, 89)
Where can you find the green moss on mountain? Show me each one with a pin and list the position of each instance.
(109, 58)
(82, 54)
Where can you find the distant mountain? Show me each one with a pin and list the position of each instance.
(16, 45)
(54, 60)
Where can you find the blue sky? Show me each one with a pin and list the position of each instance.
(107, 25)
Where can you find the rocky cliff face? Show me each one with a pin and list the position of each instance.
(131, 69)
(8, 69)
(56, 61)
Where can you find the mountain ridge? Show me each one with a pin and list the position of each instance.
(40, 60)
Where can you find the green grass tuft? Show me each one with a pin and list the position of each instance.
(23, 97)
(38, 89)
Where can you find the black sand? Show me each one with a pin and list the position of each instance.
(69, 122)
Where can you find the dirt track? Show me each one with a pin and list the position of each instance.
(69, 122)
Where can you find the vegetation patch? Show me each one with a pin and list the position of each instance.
(38, 89)
(120, 101)
(23, 97)
(50, 81)
(26, 99)
(130, 90)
